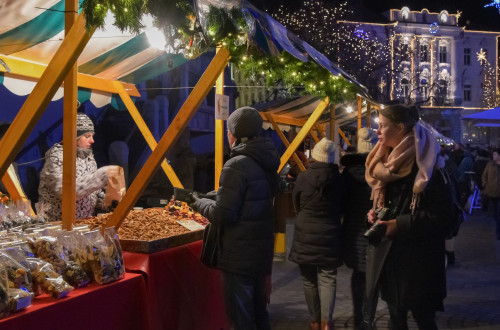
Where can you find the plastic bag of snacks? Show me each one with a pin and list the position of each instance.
(45, 248)
(18, 299)
(19, 252)
(101, 258)
(47, 279)
(18, 276)
(72, 272)
(111, 236)
(4, 294)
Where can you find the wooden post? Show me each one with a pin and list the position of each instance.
(51, 79)
(270, 119)
(303, 132)
(69, 129)
(341, 132)
(186, 112)
(332, 122)
(13, 186)
(360, 104)
(368, 114)
(219, 132)
(313, 134)
(141, 124)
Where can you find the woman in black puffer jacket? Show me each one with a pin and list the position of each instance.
(317, 197)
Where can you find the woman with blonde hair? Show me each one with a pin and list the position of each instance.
(411, 214)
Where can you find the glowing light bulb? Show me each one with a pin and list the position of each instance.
(349, 109)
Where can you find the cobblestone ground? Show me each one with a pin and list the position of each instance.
(473, 300)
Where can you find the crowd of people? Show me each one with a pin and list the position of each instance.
(384, 212)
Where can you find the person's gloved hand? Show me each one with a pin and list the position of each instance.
(194, 198)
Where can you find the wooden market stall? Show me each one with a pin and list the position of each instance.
(63, 69)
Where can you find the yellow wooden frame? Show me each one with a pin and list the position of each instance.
(303, 132)
(219, 132)
(13, 186)
(31, 111)
(180, 122)
(285, 141)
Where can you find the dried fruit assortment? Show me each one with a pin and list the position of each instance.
(152, 224)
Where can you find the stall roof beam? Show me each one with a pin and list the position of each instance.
(25, 69)
(143, 127)
(313, 118)
(285, 141)
(181, 120)
(36, 103)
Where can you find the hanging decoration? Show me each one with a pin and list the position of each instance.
(227, 26)
(481, 56)
(495, 3)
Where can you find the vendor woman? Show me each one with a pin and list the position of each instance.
(89, 179)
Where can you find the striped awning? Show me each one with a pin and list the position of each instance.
(33, 30)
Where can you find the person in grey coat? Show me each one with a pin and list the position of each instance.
(317, 197)
(243, 210)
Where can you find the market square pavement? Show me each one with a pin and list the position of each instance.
(473, 300)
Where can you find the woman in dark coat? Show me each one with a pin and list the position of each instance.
(354, 225)
(408, 264)
(317, 197)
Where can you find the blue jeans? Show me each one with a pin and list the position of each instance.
(320, 287)
(246, 304)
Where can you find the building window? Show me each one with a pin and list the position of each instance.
(467, 92)
(405, 52)
(466, 56)
(443, 87)
(405, 12)
(424, 88)
(442, 54)
(405, 87)
(424, 53)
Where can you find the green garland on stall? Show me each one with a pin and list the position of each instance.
(226, 29)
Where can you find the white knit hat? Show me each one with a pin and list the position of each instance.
(366, 140)
(325, 151)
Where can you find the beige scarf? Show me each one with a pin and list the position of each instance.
(384, 165)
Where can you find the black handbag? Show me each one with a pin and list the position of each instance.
(210, 245)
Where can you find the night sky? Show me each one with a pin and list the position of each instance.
(474, 15)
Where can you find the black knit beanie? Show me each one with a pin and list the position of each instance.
(83, 124)
(244, 122)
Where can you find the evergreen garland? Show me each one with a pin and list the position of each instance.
(229, 30)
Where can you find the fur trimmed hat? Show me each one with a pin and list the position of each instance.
(324, 151)
(366, 140)
(244, 122)
(83, 124)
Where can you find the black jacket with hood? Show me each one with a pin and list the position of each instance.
(244, 208)
(317, 197)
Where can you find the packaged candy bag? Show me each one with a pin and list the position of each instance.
(72, 272)
(18, 299)
(104, 268)
(111, 236)
(47, 279)
(4, 294)
(17, 275)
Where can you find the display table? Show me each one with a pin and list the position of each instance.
(182, 292)
(118, 305)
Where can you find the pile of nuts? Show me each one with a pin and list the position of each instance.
(147, 225)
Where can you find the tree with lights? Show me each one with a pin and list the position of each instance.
(490, 95)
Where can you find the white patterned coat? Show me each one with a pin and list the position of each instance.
(89, 181)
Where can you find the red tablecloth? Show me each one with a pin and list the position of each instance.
(182, 292)
(118, 305)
